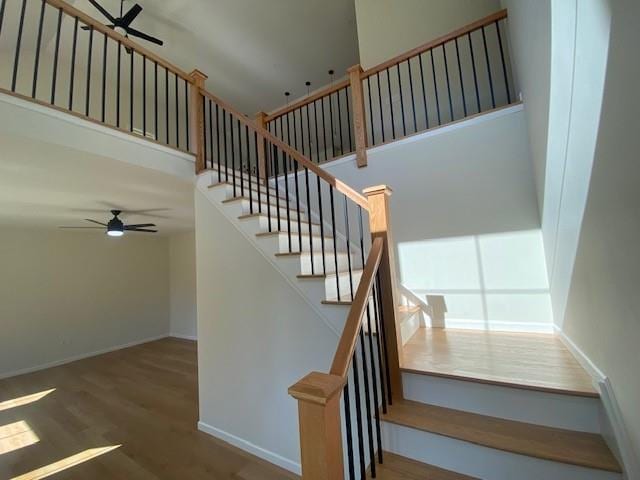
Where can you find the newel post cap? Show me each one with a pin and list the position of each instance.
(377, 190)
(355, 68)
(317, 388)
(198, 77)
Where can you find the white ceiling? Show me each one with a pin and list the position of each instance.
(252, 50)
(46, 185)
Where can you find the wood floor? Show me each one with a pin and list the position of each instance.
(126, 415)
(396, 467)
(535, 361)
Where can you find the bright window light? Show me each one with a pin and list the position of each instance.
(14, 436)
(66, 463)
(27, 399)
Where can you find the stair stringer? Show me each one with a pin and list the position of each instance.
(313, 292)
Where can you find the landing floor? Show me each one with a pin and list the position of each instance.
(534, 361)
(130, 414)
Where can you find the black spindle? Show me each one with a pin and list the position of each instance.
(446, 73)
(404, 125)
(73, 61)
(373, 130)
(413, 101)
(424, 92)
(464, 100)
(504, 65)
(88, 92)
(38, 42)
(486, 56)
(16, 60)
(435, 87)
(104, 78)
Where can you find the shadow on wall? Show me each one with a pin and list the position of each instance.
(492, 281)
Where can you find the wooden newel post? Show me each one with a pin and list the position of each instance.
(359, 118)
(318, 396)
(197, 118)
(262, 164)
(380, 227)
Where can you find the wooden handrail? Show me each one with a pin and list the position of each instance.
(347, 344)
(323, 92)
(83, 17)
(300, 158)
(489, 19)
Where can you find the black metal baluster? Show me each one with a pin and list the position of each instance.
(393, 123)
(356, 389)
(435, 87)
(333, 152)
(3, 3)
(373, 130)
(347, 420)
(104, 78)
(404, 125)
(38, 42)
(315, 124)
(306, 179)
(413, 101)
(367, 401)
(240, 159)
(309, 134)
(233, 155)
(383, 330)
(249, 172)
(475, 74)
(55, 58)
(380, 105)
(286, 196)
(346, 99)
(131, 75)
(218, 142)
(322, 242)
(258, 181)
(155, 100)
(210, 115)
(446, 73)
(16, 60)
(144, 95)
(464, 100)
(324, 130)
(73, 61)
(88, 92)
(424, 92)
(340, 123)
(177, 104)
(186, 112)
(224, 139)
(381, 349)
(267, 154)
(166, 106)
(335, 243)
(295, 167)
(486, 56)
(118, 68)
(504, 66)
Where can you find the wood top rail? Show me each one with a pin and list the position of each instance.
(494, 17)
(347, 345)
(326, 91)
(304, 161)
(83, 17)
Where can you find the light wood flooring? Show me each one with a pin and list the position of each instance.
(534, 361)
(129, 415)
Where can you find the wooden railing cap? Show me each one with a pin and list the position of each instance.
(376, 190)
(355, 68)
(197, 74)
(317, 388)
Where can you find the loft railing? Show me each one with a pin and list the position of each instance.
(346, 240)
(453, 77)
(58, 56)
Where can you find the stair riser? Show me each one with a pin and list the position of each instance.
(273, 208)
(541, 408)
(304, 241)
(264, 226)
(331, 286)
(264, 199)
(305, 263)
(247, 187)
(479, 461)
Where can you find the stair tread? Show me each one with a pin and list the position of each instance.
(274, 218)
(293, 235)
(409, 309)
(316, 253)
(565, 446)
(263, 189)
(342, 273)
(396, 467)
(264, 203)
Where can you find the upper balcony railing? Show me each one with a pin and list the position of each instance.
(450, 78)
(56, 55)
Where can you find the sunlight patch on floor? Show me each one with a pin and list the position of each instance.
(66, 463)
(25, 400)
(14, 436)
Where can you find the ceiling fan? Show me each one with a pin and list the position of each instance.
(115, 227)
(122, 24)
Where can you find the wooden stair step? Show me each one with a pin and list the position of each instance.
(274, 219)
(342, 273)
(263, 189)
(565, 446)
(396, 467)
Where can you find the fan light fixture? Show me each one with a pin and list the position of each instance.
(115, 227)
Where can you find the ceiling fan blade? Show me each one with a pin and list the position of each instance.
(130, 16)
(96, 228)
(101, 9)
(87, 27)
(140, 230)
(144, 36)
(139, 225)
(95, 221)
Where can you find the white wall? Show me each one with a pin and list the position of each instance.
(603, 308)
(182, 280)
(532, 63)
(68, 294)
(465, 219)
(256, 337)
(387, 28)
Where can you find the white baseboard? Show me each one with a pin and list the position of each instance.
(623, 448)
(81, 356)
(184, 337)
(251, 448)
